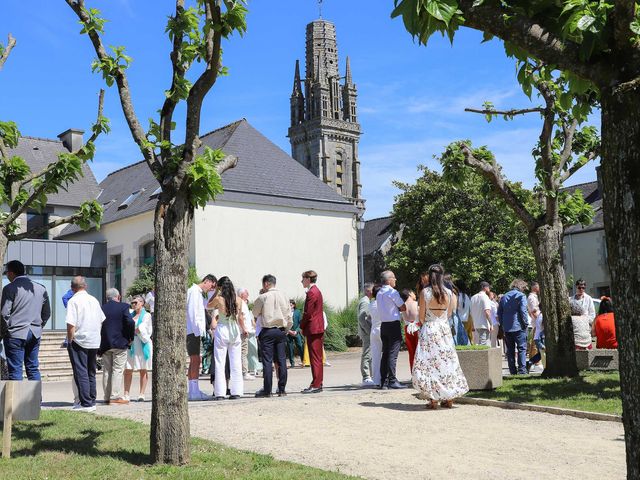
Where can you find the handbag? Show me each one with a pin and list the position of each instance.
(500, 332)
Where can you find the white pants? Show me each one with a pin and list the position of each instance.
(221, 343)
(376, 354)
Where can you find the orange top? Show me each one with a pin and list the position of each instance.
(606, 331)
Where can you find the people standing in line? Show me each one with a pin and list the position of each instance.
(583, 299)
(437, 373)
(410, 319)
(481, 315)
(313, 326)
(140, 354)
(538, 338)
(249, 345)
(196, 328)
(495, 342)
(364, 332)
(117, 333)
(604, 326)
(229, 329)
(465, 332)
(275, 319)
(25, 311)
(294, 336)
(84, 326)
(513, 316)
(581, 327)
(375, 339)
(389, 305)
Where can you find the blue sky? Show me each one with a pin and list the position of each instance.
(411, 98)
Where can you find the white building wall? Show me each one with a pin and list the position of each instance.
(247, 241)
(585, 256)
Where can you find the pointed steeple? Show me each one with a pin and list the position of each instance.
(297, 83)
(348, 80)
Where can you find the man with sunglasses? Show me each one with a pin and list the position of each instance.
(583, 299)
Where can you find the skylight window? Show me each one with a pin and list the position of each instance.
(156, 193)
(129, 200)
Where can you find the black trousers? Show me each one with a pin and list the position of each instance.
(391, 335)
(273, 343)
(83, 363)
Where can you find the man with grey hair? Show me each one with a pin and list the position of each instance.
(118, 330)
(84, 325)
(364, 332)
(513, 316)
(390, 304)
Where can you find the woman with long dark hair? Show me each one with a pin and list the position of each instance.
(228, 322)
(604, 326)
(436, 371)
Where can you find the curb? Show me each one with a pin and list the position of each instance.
(484, 402)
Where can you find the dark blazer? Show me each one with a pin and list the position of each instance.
(25, 306)
(513, 313)
(313, 319)
(118, 328)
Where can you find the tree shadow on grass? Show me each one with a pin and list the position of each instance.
(86, 445)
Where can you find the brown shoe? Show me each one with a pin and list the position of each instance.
(119, 401)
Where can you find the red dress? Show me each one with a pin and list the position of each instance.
(606, 331)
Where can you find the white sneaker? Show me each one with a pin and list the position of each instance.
(76, 405)
(80, 408)
(368, 382)
(141, 398)
(248, 376)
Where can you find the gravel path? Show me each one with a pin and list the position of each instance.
(385, 435)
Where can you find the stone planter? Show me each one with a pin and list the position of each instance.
(597, 359)
(483, 368)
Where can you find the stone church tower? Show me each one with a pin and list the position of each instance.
(324, 130)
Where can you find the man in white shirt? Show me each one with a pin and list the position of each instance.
(584, 300)
(389, 305)
(196, 327)
(533, 303)
(481, 315)
(84, 325)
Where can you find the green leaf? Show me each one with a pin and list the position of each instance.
(442, 10)
(585, 22)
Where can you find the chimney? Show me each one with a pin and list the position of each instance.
(72, 139)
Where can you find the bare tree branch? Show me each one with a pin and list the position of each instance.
(11, 42)
(510, 113)
(627, 86)
(123, 89)
(623, 15)
(535, 39)
(577, 166)
(178, 71)
(229, 162)
(546, 151)
(568, 133)
(492, 173)
(17, 210)
(46, 228)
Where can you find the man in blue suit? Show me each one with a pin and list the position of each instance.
(513, 318)
(118, 330)
(25, 311)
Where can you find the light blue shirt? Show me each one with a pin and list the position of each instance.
(389, 301)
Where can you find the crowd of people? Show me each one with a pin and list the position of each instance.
(238, 343)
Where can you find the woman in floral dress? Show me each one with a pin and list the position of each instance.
(436, 370)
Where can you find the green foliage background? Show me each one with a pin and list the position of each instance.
(465, 228)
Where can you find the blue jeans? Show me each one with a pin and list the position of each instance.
(19, 352)
(516, 340)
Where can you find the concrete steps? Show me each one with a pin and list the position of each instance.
(54, 359)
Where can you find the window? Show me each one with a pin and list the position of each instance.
(37, 220)
(147, 254)
(115, 271)
(156, 193)
(129, 200)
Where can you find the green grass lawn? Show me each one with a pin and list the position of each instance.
(590, 392)
(66, 445)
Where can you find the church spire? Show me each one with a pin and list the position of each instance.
(297, 98)
(348, 80)
(297, 83)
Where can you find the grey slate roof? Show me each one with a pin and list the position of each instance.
(264, 175)
(593, 197)
(40, 152)
(376, 232)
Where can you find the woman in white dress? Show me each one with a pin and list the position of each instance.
(140, 353)
(436, 371)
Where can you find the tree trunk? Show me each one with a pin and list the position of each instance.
(621, 201)
(546, 241)
(169, 414)
(4, 242)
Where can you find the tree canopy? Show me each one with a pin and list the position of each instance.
(464, 227)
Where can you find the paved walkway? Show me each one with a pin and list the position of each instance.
(389, 434)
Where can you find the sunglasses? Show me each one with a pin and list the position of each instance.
(582, 287)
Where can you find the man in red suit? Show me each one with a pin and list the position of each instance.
(312, 325)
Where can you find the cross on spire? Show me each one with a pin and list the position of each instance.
(320, 7)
